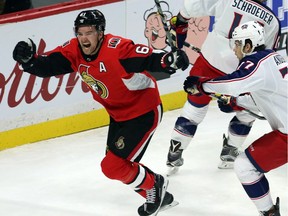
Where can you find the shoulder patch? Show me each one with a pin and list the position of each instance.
(66, 43)
(113, 42)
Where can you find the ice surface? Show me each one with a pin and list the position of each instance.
(62, 176)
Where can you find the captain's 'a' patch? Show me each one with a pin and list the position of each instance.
(113, 42)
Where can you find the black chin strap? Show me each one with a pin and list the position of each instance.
(98, 45)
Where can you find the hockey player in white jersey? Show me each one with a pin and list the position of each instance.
(216, 59)
(264, 74)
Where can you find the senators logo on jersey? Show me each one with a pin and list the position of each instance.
(120, 143)
(94, 84)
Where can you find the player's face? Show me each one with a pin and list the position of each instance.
(88, 39)
(238, 50)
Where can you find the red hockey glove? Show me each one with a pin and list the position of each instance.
(179, 28)
(228, 104)
(193, 85)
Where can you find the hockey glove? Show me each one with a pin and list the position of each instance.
(193, 85)
(228, 104)
(179, 28)
(175, 60)
(24, 51)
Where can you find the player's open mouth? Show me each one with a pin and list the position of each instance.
(86, 45)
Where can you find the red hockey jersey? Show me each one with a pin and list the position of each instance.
(117, 76)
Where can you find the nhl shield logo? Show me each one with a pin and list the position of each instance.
(113, 42)
(120, 143)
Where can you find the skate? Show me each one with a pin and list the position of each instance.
(274, 211)
(168, 202)
(155, 197)
(174, 159)
(228, 155)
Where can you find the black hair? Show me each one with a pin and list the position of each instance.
(258, 48)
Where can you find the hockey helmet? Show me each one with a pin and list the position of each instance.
(250, 30)
(90, 17)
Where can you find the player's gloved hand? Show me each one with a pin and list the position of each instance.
(24, 51)
(179, 28)
(193, 85)
(175, 60)
(228, 104)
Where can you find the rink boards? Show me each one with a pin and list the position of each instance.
(33, 109)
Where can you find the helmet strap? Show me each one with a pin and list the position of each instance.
(100, 40)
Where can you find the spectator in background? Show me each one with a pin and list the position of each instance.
(2, 2)
(10, 6)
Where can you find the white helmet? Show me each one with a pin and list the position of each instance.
(250, 30)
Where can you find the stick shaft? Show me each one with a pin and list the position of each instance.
(220, 97)
(164, 22)
(186, 44)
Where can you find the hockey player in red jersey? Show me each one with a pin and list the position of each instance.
(264, 74)
(116, 72)
(217, 58)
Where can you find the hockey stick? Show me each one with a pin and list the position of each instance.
(166, 28)
(170, 36)
(188, 45)
(224, 99)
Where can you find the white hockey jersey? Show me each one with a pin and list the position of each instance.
(228, 15)
(264, 75)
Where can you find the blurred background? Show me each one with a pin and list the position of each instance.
(10, 6)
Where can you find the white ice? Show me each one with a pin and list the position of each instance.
(62, 176)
